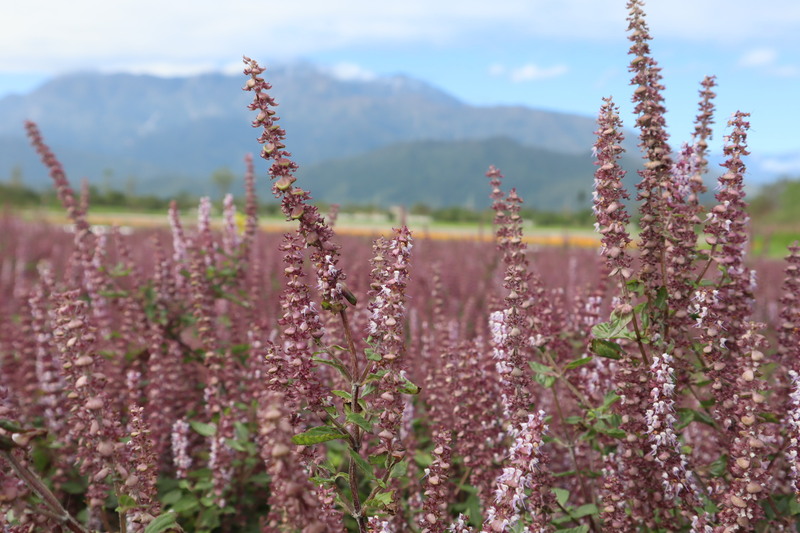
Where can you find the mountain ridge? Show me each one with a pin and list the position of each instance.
(168, 135)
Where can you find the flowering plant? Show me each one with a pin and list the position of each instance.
(220, 386)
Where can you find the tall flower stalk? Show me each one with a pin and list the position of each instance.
(368, 408)
(653, 140)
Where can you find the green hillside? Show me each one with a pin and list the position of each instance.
(441, 174)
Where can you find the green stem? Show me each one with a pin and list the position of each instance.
(355, 440)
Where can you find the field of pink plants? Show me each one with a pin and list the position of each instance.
(234, 381)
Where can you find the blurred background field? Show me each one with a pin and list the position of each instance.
(775, 217)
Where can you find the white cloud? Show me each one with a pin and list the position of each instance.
(350, 72)
(766, 59)
(55, 35)
(497, 70)
(531, 72)
(759, 57)
(785, 71)
(164, 69)
(782, 165)
(527, 72)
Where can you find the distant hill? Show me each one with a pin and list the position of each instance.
(387, 141)
(449, 173)
(170, 134)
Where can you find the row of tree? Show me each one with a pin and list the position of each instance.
(774, 204)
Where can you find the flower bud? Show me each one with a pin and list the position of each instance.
(737, 501)
(105, 448)
(280, 450)
(94, 403)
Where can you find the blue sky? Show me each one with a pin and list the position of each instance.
(555, 54)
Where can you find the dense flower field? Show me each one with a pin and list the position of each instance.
(195, 380)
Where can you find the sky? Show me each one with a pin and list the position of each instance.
(563, 55)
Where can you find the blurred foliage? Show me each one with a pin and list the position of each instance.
(777, 203)
(774, 209)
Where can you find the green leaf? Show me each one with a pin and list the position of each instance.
(544, 375)
(540, 368)
(40, 456)
(360, 421)
(577, 362)
(615, 433)
(361, 463)
(700, 416)
(607, 349)
(241, 431)
(423, 459)
(113, 294)
(408, 387)
(635, 285)
(378, 459)
(237, 445)
(372, 355)
(381, 499)
(686, 416)
(644, 320)
(661, 298)
(342, 394)
(616, 328)
(124, 503)
(399, 470)
(187, 503)
(161, 523)
(334, 363)
(209, 520)
(584, 510)
(562, 495)
(11, 426)
(317, 435)
(206, 430)
(172, 497)
(610, 399)
(580, 529)
(376, 376)
(73, 487)
(719, 467)
(240, 349)
(320, 480)
(770, 417)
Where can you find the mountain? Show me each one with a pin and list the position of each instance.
(386, 140)
(450, 173)
(172, 133)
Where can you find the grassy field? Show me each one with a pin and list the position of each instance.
(346, 225)
(767, 240)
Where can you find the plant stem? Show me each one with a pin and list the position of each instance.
(642, 349)
(30, 478)
(627, 298)
(355, 441)
(708, 264)
(351, 345)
